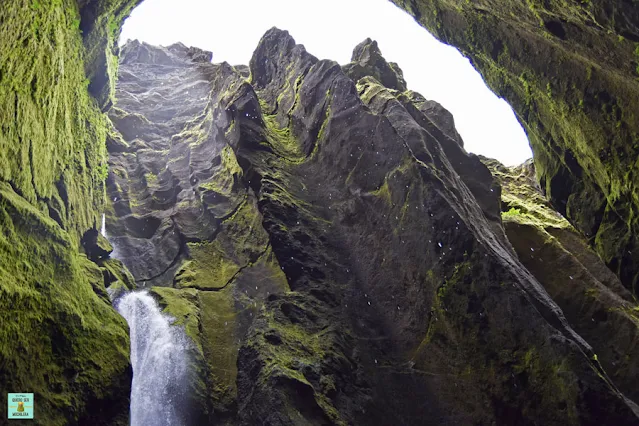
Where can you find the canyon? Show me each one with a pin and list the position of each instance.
(318, 231)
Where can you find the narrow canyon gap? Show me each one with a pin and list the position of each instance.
(382, 264)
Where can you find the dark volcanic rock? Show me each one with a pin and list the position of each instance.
(569, 70)
(595, 302)
(171, 181)
(335, 254)
(182, 213)
(95, 245)
(367, 59)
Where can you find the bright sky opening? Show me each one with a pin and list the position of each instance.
(330, 29)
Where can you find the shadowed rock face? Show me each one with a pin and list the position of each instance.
(164, 160)
(332, 250)
(569, 70)
(593, 299)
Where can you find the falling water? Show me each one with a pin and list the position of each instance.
(103, 230)
(159, 360)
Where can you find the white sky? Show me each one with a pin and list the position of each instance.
(330, 29)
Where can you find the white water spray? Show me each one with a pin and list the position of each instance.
(103, 230)
(159, 360)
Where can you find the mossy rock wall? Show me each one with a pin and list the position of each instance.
(595, 302)
(570, 71)
(404, 286)
(333, 252)
(182, 214)
(60, 337)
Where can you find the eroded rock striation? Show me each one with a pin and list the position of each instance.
(570, 71)
(334, 253)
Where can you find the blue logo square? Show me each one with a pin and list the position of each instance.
(20, 406)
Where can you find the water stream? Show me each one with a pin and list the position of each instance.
(159, 360)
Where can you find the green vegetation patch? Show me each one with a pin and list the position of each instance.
(226, 177)
(181, 304)
(52, 131)
(59, 339)
(210, 267)
(221, 342)
(240, 241)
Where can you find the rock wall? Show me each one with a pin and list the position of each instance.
(60, 337)
(334, 253)
(182, 214)
(331, 249)
(593, 299)
(569, 69)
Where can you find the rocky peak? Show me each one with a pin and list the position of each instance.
(367, 60)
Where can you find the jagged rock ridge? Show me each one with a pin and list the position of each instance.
(582, 92)
(335, 254)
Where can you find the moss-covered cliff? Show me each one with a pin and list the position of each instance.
(183, 217)
(332, 250)
(59, 338)
(570, 71)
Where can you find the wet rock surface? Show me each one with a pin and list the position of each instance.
(334, 253)
(591, 296)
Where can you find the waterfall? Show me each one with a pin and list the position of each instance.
(159, 360)
(103, 230)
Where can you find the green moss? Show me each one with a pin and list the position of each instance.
(241, 241)
(101, 61)
(48, 119)
(226, 177)
(217, 321)
(118, 272)
(457, 333)
(210, 267)
(384, 193)
(181, 304)
(220, 340)
(76, 345)
(510, 213)
(53, 162)
(151, 178)
(369, 88)
(298, 347)
(281, 140)
(526, 205)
